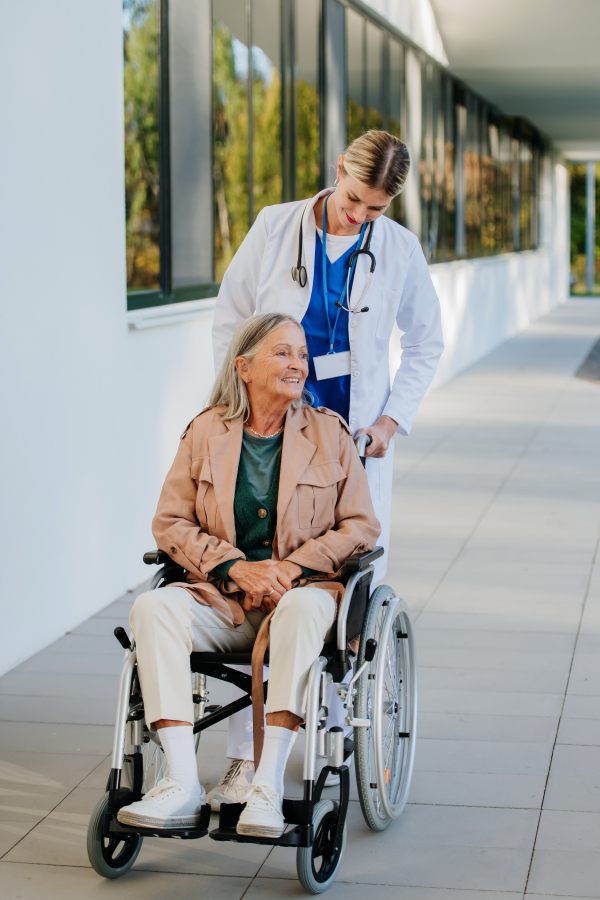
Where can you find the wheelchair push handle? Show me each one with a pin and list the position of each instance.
(362, 442)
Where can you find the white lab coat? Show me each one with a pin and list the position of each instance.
(259, 279)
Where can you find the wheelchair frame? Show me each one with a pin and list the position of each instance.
(318, 827)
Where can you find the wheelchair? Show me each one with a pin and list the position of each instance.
(380, 699)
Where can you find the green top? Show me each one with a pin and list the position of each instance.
(262, 459)
(255, 504)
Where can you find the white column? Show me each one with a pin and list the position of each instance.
(590, 227)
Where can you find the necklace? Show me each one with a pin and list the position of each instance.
(258, 434)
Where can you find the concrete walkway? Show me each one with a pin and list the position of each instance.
(495, 541)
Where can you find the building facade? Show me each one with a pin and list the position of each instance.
(142, 138)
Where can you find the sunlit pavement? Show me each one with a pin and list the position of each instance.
(495, 546)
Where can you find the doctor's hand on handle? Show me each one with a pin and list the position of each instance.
(265, 582)
(381, 433)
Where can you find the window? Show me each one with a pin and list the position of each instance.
(142, 152)
(307, 168)
(224, 114)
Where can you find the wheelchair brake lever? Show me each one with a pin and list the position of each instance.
(346, 695)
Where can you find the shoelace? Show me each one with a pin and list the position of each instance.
(235, 769)
(270, 795)
(166, 784)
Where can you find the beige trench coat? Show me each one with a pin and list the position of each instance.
(324, 508)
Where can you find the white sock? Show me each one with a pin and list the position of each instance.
(178, 743)
(276, 750)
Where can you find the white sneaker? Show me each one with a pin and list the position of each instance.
(262, 816)
(168, 805)
(233, 785)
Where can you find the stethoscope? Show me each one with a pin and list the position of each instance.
(299, 271)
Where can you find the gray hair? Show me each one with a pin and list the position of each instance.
(229, 389)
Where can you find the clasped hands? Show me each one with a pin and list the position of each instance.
(264, 582)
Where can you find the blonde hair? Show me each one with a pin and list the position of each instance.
(378, 160)
(229, 389)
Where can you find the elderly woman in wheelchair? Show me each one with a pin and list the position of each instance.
(267, 535)
(265, 501)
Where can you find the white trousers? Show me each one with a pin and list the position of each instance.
(239, 727)
(168, 624)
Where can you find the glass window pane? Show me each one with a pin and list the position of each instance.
(473, 177)
(396, 88)
(266, 104)
(140, 60)
(374, 74)
(525, 193)
(437, 163)
(308, 166)
(489, 154)
(425, 164)
(449, 226)
(230, 140)
(505, 189)
(355, 109)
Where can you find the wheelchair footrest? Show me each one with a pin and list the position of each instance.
(296, 812)
(300, 836)
(186, 833)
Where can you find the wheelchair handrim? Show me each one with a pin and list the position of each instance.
(393, 792)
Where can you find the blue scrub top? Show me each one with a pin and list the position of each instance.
(334, 393)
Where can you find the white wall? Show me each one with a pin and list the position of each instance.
(91, 410)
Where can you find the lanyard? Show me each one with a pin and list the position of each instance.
(348, 282)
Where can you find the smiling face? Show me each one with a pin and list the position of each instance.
(276, 374)
(355, 202)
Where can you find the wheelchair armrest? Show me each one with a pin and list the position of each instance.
(156, 558)
(359, 562)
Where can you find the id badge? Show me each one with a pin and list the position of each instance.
(332, 365)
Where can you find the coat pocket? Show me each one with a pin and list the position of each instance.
(206, 506)
(317, 491)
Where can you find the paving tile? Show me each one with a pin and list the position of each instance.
(30, 882)
(581, 707)
(520, 592)
(19, 803)
(95, 644)
(579, 731)
(494, 680)
(87, 739)
(590, 623)
(465, 727)
(279, 889)
(566, 859)
(483, 621)
(51, 771)
(585, 674)
(101, 626)
(477, 789)
(73, 663)
(526, 642)
(29, 684)
(65, 710)
(11, 833)
(502, 658)
(574, 780)
(483, 757)
(445, 847)
(501, 703)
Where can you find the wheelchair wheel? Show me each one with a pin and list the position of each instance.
(318, 865)
(387, 696)
(111, 855)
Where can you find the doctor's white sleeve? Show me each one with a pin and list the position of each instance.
(236, 301)
(419, 318)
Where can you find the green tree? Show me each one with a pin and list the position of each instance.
(140, 57)
(230, 150)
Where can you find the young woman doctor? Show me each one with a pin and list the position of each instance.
(348, 273)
